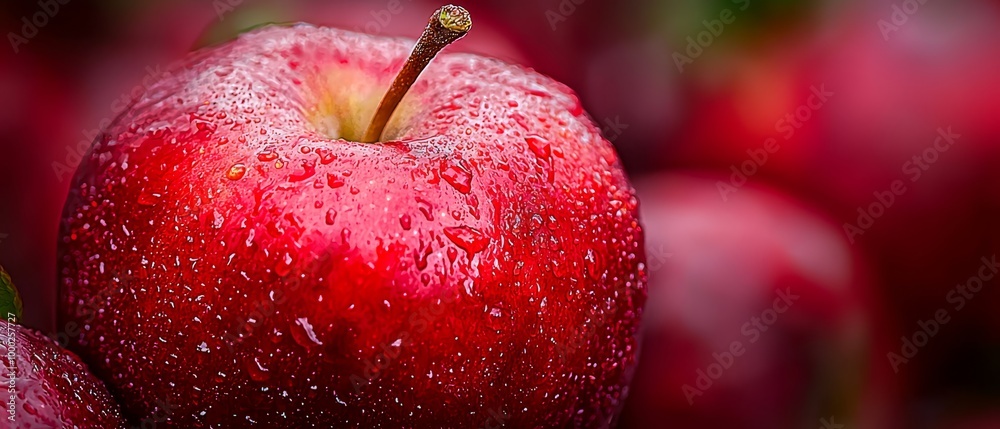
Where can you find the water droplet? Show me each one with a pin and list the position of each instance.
(426, 208)
(539, 146)
(326, 156)
(267, 155)
(236, 172)
(258, 372)
(306, 337)
(308, 170)
(285, 265)
(404, 221)
(331, 215)
(217, 219)
(457, 174)
(468, 238)
(148, 197)
(333, 181)
(592, 263)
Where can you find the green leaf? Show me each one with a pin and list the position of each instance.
(11, 307)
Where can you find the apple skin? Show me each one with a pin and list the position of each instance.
(483, 265)
(52, 387)
(714, 265)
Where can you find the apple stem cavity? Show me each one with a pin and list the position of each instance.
(446, 25)
(11, 307)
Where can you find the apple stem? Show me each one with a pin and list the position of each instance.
(446, 25)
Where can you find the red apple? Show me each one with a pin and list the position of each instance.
(281, 273)
(899, 94)
(758, 314)
(896, 98)
(42, 384)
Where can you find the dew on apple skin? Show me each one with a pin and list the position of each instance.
(468, 238)
(285, 264)
(308, 170)
(326, 156)
(446, 260)
(334, 181)
(539, 146)
(426, 208)
(457, 175)
(236, 172)
(267, 155)
(217, 219)
(305, 336)
(258, 372)
(404, 221)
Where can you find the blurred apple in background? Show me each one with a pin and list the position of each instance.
(35, 119)
(758, 314)
(916, 107)
(928, 79)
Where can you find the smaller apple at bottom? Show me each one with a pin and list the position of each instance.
(42, 385)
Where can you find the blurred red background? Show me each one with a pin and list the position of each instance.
(849, 149)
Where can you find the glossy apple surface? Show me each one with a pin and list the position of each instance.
(250, 264)
(757, 314)
(46, 386)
